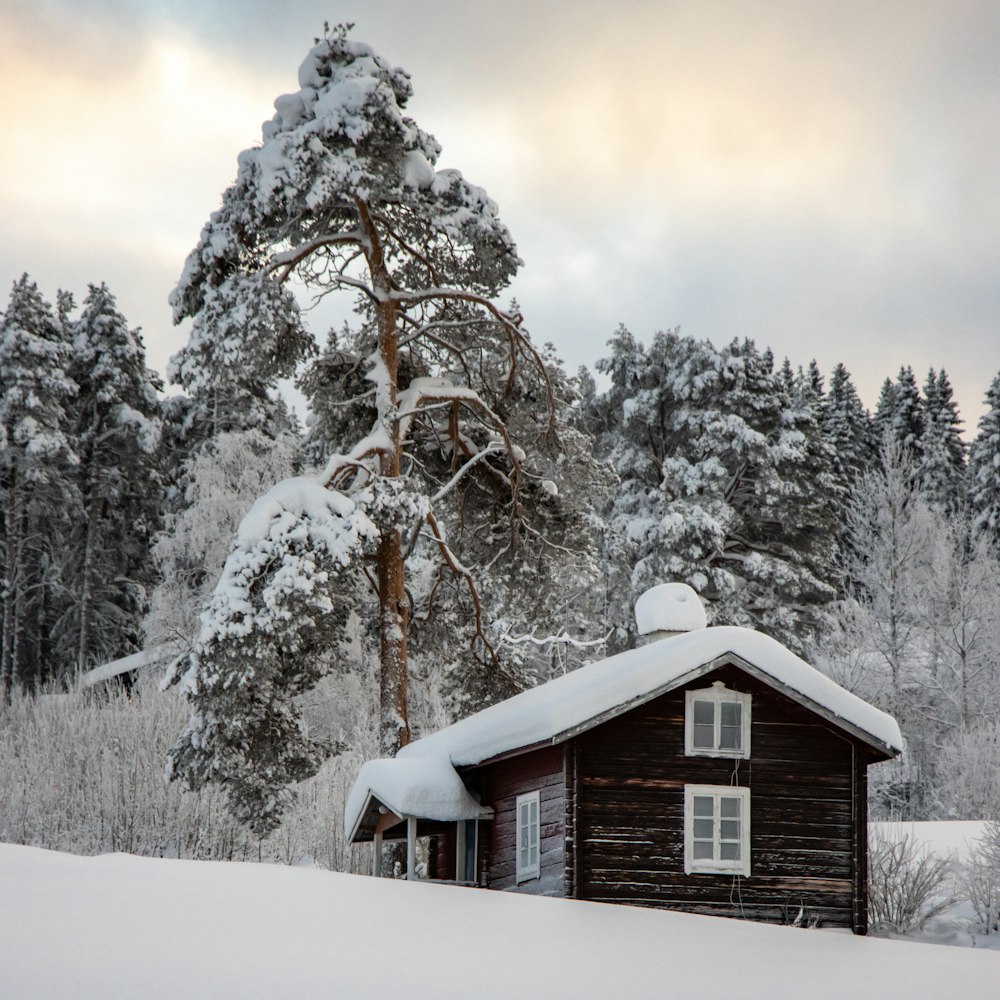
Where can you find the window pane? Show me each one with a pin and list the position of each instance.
(729, 852)
(703, 805)
(732, 713)
(729, 829)
(702, 829)
(533, 811)
(704, 737)
(731, 738)
(729, 807)
(703, 851)
(704, 713)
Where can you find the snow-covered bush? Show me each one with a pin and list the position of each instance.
(979, 881)
(906, 885)
(83, 772)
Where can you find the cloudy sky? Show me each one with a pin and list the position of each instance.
(822, 177)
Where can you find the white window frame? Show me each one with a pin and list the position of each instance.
(715, 865)
(530, 866)
(717, 694)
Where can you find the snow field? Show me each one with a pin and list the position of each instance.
(118, 926)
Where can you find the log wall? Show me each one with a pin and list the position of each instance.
(806, 818)
(501, 783)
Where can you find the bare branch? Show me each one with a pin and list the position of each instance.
(459, 570)
(288, 259)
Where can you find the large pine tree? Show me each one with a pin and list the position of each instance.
(344, 195)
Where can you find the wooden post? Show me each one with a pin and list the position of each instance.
(377, 855)
(461, 875)
(411, 848)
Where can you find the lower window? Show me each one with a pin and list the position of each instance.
(527, 840)
(716, 829)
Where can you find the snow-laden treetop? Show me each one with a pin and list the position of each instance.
(552, 713)
(342, 140)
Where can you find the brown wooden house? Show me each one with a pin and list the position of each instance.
(711, 770)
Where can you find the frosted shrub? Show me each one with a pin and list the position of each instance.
(83, 773)
(906, 885)
(979, 880)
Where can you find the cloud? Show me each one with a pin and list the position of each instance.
(821, 177)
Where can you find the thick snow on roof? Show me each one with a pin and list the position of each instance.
(670, 607)
(428, 787)
(552, 711)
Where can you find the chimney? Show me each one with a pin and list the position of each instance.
(669, 609)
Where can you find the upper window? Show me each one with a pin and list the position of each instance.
(717, 723)
(716, 829)
(528, 839)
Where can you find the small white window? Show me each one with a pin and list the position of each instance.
(716, 829)
(528, 830)
(717, 723)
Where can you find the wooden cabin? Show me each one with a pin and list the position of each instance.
(711, 770)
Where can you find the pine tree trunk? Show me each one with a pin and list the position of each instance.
(93, 507)
(394, 617)
(10, 558)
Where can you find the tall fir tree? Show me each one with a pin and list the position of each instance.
(901, 412)
(942, 472)
(848, 428)
(984, 465)
(108, 566)
(36, 489)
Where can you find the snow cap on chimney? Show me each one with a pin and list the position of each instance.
(668, 609)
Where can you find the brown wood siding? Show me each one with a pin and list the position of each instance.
(441, 855)
(543, 771)
(631, 773)
(861, 843)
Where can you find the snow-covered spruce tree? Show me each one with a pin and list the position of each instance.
(901, 412)
(984, 465)
(942, 463)
(108, 568)
(343, 195)
(36, 492)
(719, 469)
(848, 428)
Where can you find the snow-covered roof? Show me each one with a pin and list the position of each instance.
(135, 661)
(575, 702)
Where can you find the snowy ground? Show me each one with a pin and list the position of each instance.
(118, 926)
